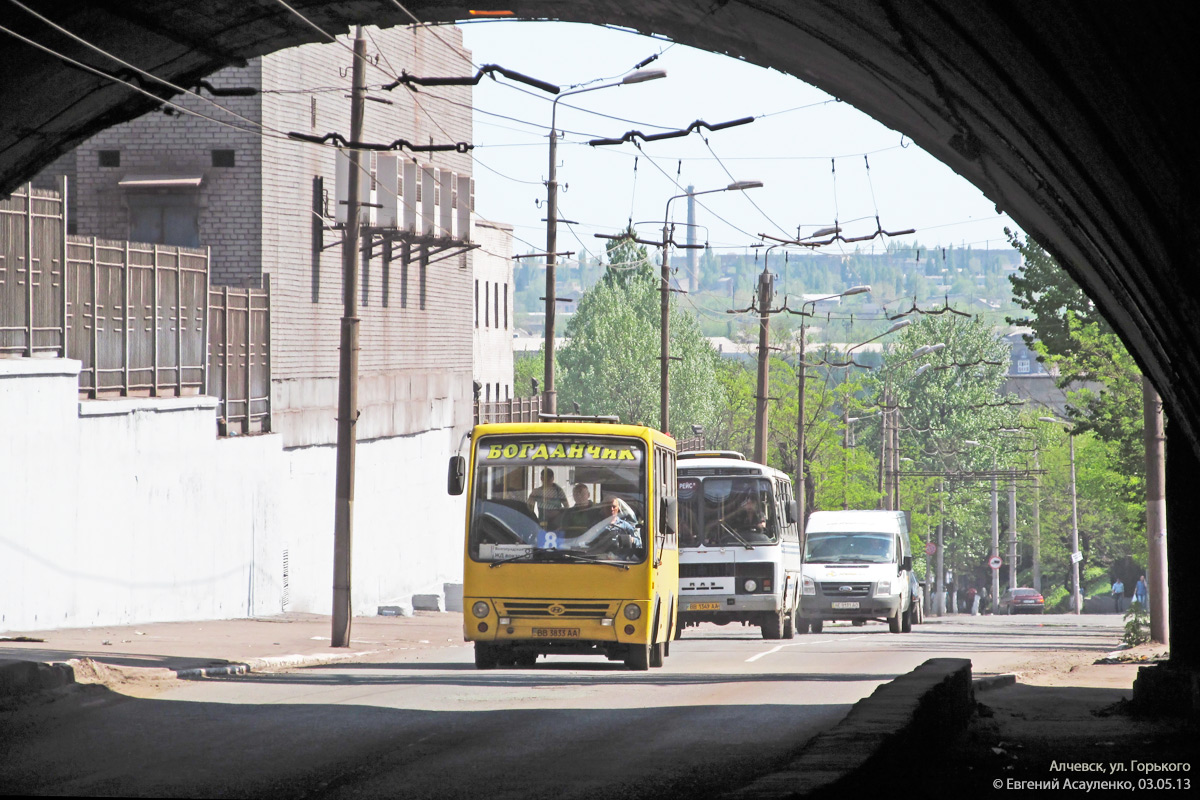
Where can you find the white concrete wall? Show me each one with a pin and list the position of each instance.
(119, 512)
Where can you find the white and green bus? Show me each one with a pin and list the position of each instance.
(739, 544)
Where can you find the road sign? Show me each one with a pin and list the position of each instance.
(994, 562)
(930, 548)
(1076, 557)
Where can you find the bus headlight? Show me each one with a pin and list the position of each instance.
(809, 587)
(750, 585)
(632, 611)
(481, 609)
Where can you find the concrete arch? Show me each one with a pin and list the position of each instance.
(1069, 116)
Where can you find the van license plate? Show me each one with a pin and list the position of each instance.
(556, 633)
(846, 605)
(704, 607)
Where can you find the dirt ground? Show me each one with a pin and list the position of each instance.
(1069, 709)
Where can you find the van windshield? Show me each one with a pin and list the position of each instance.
(843, 547)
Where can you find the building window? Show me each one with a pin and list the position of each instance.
(476, 304)
(224, 158)
(496, 306)
(110, 158)
(172, 219)
(485, 304)
(505, 306)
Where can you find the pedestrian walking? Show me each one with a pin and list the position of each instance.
(1118, 591)
(1141, 593)
(973, 598)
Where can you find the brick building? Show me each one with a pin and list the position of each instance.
(266, 204)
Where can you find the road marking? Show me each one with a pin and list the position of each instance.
(779, 647)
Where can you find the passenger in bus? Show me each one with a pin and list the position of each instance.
(548, 499)
(581, 496)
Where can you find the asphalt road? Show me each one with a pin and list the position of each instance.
(727, 707)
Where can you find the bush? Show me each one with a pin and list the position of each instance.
(1137, 625)
(1057, 601)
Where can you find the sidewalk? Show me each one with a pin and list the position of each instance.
(156, 652)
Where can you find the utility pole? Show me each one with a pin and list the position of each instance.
(1156, 512)
(1012, 529)
(764, 327)
(664, 322)
(801, 481)
(939, 607)
(1037, 522)
(343, 525)
(995, 536)
(549, 395)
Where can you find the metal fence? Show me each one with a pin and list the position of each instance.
(518, 409)
(141, 318)
(32, 301)
(136, 316)
(239, 347)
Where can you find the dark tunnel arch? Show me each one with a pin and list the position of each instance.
(1070, 117)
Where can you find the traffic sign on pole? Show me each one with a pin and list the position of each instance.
(994, 562)
(930, 548)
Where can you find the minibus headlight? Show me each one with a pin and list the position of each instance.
(750, 585)
(883, 587)
(809, 587)
(632, 611)
(481, 609)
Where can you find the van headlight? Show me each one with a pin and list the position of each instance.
(808, 587)
(883, 587)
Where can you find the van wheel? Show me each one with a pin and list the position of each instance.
(894, 621)
(906, 621)
(817, 625)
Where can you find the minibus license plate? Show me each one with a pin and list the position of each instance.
(704, 607)
(556, 633)
(846, 605)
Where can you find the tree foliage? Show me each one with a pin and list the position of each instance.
(1102, 380)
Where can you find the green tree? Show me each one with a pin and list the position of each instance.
(1102, 380)
(610, 364)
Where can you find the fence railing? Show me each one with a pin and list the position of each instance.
(141, 318)
(239, 347)
(32, 258)
(136, 316)
(518, 409)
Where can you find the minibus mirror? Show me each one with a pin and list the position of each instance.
(670, 515)
(907, 564)
(792, 511)
(456, 475)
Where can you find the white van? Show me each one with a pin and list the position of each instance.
(856, 567)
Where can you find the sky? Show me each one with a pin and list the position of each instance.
(820, 159)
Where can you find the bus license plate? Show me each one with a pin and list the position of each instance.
(846, 605)
(556, 633)
(704, 607)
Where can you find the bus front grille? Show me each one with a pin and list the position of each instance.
(546, 609)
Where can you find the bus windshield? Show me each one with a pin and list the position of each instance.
(862, 548)
(726, 511)
(558, 499)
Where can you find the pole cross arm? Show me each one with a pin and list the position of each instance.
(487, 69)
(631, 136)
(399, 144)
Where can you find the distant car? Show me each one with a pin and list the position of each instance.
(1016, 601)
(918, 599)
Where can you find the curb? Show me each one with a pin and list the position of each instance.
(990, 682)
(20, 679)
(883, 733)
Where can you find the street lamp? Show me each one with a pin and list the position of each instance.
(801, 394)
(887, 431)
(550, 402)
(665, 290)
(1076, 556)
